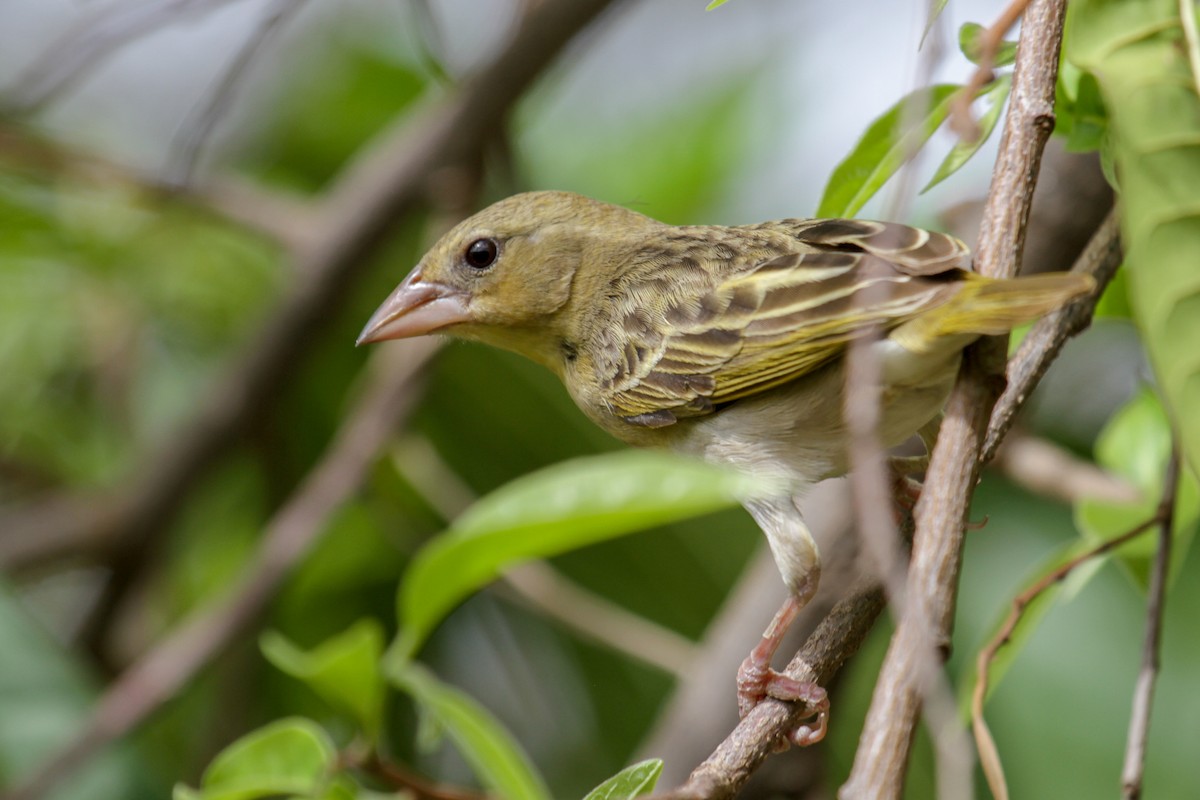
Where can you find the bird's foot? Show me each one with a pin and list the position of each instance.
(906, 491)
(756, 681)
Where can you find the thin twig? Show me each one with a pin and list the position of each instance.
(1050, 470)
(1143, 694)
(881, 761)
(398, 776)
(990, 39)
(186, 149)
(538, 586)
(903, 187)
(546, 591)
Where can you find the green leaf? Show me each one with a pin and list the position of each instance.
(935, 10)
(344, 670)
(561, 508)
(972, 48)
(995, 94)
(290, 757)
(498, 761)
(1138, 54)
(888, 143)
(1136, 444)
(633, 781)
(715, 4)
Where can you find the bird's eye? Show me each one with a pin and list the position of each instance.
(482, 253)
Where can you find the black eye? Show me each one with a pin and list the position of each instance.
(482, 253)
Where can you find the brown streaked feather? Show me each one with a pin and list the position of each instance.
(746, 325)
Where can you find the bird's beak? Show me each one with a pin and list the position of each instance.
(416, 308)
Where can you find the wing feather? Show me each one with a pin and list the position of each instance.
(767, 321)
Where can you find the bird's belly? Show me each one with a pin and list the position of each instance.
(797, 432)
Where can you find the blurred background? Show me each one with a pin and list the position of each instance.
(172, 174)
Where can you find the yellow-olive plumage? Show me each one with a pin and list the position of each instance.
(723, 342)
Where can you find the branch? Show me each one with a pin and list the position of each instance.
(161, 674)
(1046, 469)
(356, 217)
(882, 758)
(540, 587)
(835, 640)
(990, 39)
(1143, 695)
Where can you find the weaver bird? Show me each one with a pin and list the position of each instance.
(726, 343)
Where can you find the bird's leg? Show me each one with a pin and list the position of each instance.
(796, 554)
(756, 680)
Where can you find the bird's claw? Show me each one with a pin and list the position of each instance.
(756, 681)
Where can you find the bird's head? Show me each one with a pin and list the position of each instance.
(502, 275)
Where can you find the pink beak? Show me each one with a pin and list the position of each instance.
(416, 308)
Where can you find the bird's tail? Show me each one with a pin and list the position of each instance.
(989, 307)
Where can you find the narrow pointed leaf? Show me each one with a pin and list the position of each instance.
(891, 140)
(935, 10)
(995, 95)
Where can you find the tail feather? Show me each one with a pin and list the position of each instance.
(990, 307)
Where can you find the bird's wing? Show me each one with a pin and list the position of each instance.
(776, 320)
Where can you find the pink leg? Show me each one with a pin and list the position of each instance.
(756, 680)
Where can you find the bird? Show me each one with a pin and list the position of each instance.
(725, 343)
